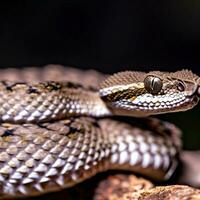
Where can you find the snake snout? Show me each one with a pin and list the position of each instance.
(194, 89)
(198, 91)
(198, 87)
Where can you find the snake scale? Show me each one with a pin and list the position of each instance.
(57, 127)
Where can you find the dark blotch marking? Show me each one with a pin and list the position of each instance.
(73, 85)
(79, 86)
(73, 129)
(10, 86)
(52, 86)
(95, 123)
(7, 133)
(31, 90)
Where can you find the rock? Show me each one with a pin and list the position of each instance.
(129, 187)
(114, 187)
(173, 192)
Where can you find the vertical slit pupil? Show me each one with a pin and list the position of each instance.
(153, 84)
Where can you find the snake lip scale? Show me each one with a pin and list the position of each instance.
(57, 130)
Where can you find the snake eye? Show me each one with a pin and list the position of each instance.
(153, 84)
(180, 86)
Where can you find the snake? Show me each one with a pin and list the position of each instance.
(61, 126)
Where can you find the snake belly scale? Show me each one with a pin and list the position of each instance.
(52, 136)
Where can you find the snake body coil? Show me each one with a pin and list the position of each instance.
(51, 138)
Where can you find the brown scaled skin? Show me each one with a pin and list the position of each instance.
(45, 157)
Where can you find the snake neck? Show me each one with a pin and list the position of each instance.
(86, 103)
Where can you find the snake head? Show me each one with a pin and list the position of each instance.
(143, 94)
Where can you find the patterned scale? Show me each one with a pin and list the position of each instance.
(37, 159)
(38, 102)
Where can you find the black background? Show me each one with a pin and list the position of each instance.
(108, 36)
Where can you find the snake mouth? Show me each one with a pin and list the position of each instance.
(148, 104)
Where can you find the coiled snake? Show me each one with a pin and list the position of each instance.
(56, 133)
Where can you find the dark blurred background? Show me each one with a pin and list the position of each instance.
(108, 36)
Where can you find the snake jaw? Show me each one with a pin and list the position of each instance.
(148, 104)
